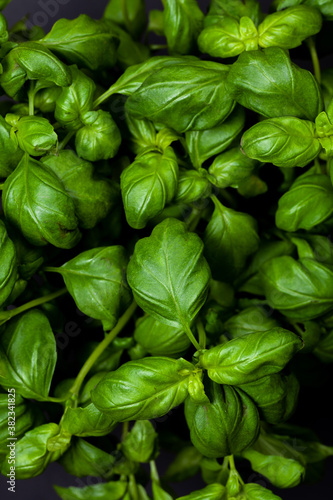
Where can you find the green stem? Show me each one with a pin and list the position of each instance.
(232, 462)
(50, 269)
(192, 338)
(33, 303)
(315, 61)
(153, 472)
(125, 14)
(133, 488)
(193, 219)
(112, 90)
(123, 320)
(233, 467)
(31, 97)
(66, 140)
(202, 334)
(296, 327)
(224, 472)
(157, 46)
(125, 430)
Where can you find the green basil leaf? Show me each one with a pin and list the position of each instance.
(169, 275)
(159, 339)
(29, 258)
(96, 281)
(250, 357)
(159, 493)
(85, 396)
(204, 144)
(110, 358)
(8, 268)
(219, 9)
(45, 99)
(35, 135)
(87, 421)
(288, 28)
(32, 455)
(254, 491)
(32, 61)
(308, 202)
(134, 76)
(75, 100)
(299, 289)
(324, 349)
(231, 168)
(183, 96)
(249, 320)
(226, 425)
(211, 492)
(284, 141)
(268, 83)
(10, 154)
(99, 139)
(275, 396)
(4, 3)
(230, 238)
(130, 15)
(139, 444)
(212, 471)
(93, 195)
(303, 439)
(129, 51)
(250, 279)
(147, 185)
(83, 41)
(184, 466)
(144, 389)
(142, 134)
(228, 37)
(192, 186)
(182, 23)
(112, 489)
(26, 416)
(46, 212)
(28, 355)
(278, 461)
(324, 6)
(311, 335)
(252, 186)
(84, 459)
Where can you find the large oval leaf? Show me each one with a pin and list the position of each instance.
(270, 84)
(159, 339)
(250, 357)
(96, 280)
(308, 202)
(230, 238)
(145, 389)
(28, 355)
(169, 275)
(35, 201)
(226, 425)
(299, 289)
(184, 97)
(147, 185)
(8, 268)
(285, 142)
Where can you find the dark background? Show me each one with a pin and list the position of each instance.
(313, 409)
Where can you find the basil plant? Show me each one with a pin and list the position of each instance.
(166, 225)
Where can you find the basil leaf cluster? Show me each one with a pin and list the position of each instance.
(166, 225)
